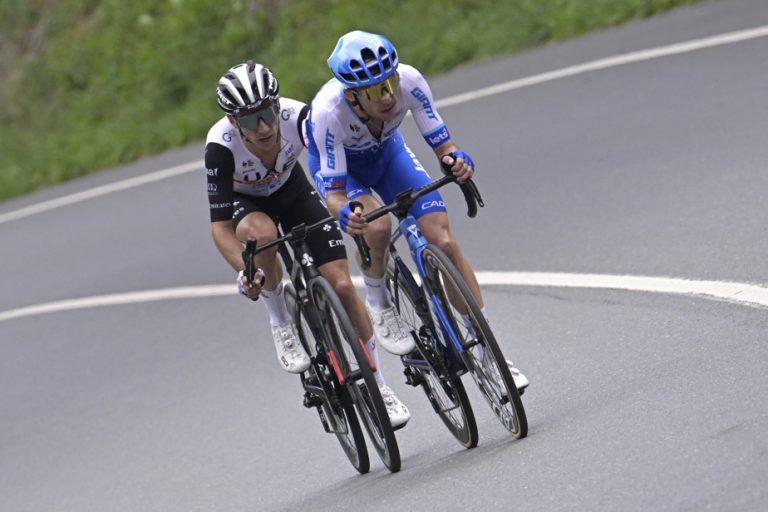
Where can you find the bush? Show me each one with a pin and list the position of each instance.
(89, 84)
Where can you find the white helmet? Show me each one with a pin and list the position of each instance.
(246, 86)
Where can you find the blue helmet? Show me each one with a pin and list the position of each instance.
(361, 59)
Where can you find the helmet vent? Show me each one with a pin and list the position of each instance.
(362, 59)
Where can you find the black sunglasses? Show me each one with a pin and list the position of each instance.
(250, 119)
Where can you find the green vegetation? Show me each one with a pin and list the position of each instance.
(87, 84)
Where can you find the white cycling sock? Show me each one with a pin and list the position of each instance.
(374, 352)
(377, 295)
(274, 300)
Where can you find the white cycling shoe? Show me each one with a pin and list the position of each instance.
(521, 381)
(398, 413)
(390, 331)
(290, 352)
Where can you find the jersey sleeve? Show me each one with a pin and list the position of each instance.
(294, 113)
(422, 105)
(220, 171)
(302, 124)
(327, 134)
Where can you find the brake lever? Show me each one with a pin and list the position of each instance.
(469, 189)
(362, 247)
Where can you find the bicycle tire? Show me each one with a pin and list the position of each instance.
(336, 409)
(355, 365)
(445, 392)
(505, 399)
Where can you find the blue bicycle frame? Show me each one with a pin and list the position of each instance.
(416, 242)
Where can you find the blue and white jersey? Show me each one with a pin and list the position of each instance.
(340, 139)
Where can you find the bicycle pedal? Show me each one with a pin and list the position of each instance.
(311, 400)
(467, 344)
(412, 378)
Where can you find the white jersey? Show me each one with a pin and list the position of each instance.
(250, 176)
(340, 136)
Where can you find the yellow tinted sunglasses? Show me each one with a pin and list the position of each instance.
(376, 92)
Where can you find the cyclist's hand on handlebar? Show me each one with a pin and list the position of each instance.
(461, 164)
(250, 289)
(351, 221)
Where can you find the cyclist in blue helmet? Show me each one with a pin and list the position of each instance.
(355, 149)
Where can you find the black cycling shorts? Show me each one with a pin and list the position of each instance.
(295, 202)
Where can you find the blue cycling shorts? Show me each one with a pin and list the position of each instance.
(387, 171)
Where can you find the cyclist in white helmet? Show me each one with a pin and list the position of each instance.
(255, 182)
(355, 148)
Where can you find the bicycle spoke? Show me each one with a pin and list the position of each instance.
(323, 392)
(482, 355)
(445, 393)
(358, 377)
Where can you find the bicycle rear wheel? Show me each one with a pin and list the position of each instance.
(323, 391)
(482, 356)
(444, 391)
(355, 369)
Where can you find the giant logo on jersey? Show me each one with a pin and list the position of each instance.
(424, 100)
(329, 149)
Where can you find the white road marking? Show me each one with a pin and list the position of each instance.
(610, 62)
(596, 65)
(100, 191)
(744, 294)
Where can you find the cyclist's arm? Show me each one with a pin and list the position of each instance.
(444, 149)
(336, 199)
(333, 161)
(227, 243)
(460, 162)
(427, 118)
(293, 115)
(220, 165)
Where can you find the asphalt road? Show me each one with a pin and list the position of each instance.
(638, 401)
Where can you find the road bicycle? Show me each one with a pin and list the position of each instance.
(339, 382)
(451, 333)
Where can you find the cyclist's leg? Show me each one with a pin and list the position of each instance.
(337, 274)
(261, 226)
(254, 217)
(378, 232)
(353, 187)
(404, 171)
(328, 251)
(435, 228)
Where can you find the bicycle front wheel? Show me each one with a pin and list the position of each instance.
(355, 369)
(481, 353)
(444, 391)
(323, 391)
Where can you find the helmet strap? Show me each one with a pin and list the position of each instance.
(356, 103)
